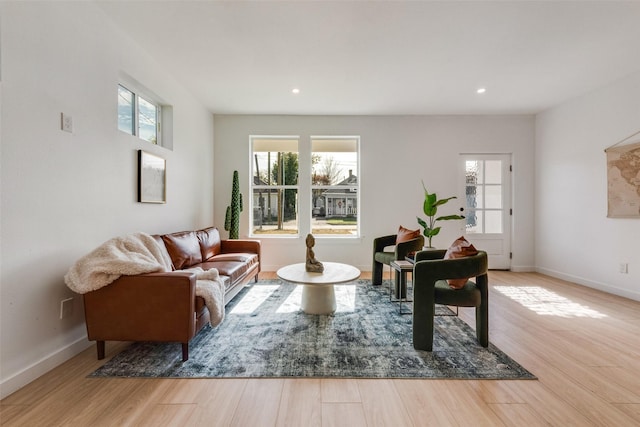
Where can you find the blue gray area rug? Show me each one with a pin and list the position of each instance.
(265, 334)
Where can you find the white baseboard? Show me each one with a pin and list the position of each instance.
(41, 367)
(590, 283)
(522, 268)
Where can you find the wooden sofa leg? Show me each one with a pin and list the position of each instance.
(185, 351)
(256, 279)
(100, 347)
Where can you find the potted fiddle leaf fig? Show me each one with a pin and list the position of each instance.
(430, 208)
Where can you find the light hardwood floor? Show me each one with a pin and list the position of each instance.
(583, 345)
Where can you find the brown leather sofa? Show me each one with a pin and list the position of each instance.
(163, 306)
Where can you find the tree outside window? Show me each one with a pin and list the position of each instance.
(275, 186)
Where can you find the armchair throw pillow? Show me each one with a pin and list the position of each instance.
(460, 248)
(404, 234)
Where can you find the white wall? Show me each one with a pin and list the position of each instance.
(574, 238)
(397, 152)
(64, 194)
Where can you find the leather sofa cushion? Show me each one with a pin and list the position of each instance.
(227, 282)
(246, 258)
(209, 240)
(234, 269)
(200, 305)
(183, 248)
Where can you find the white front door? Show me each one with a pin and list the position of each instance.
(486, 191)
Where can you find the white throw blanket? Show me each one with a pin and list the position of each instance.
(210, 287)
(139, 253)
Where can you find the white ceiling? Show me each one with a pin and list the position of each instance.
(394, 57)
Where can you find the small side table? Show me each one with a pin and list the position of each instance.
(401, 267)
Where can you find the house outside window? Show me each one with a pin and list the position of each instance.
(335, 186)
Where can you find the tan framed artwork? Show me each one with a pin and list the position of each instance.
(152, 178)
(623, 179)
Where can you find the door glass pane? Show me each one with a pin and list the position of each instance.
(480, 198)
(493, 172)
(493, 221)
(474, 221)
(472, 196)
(493, 196)
(474, 172)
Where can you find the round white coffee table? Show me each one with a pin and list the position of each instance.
(318, 295)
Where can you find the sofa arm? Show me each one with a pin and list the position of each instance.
(145, 307)
(240, 245)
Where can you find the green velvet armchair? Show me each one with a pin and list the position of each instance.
(430, 287)
(382, 256)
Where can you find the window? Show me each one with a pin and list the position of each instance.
(334, 186)
(144, 117)
(330, 196)
(148, 120)
(126, 110)
(274, 186)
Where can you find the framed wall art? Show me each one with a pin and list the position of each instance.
(623, 178)
(152, 178)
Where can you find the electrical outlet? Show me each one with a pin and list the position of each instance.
(624, 268)
(66, 122)
(66, 308)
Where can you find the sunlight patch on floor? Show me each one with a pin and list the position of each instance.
(292, 303)
(252, 300)
(547, 303)
(345, 299)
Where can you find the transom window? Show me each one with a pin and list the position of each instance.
(143, 116)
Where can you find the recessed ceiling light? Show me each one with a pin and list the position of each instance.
(295, 91)
(481, 90)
